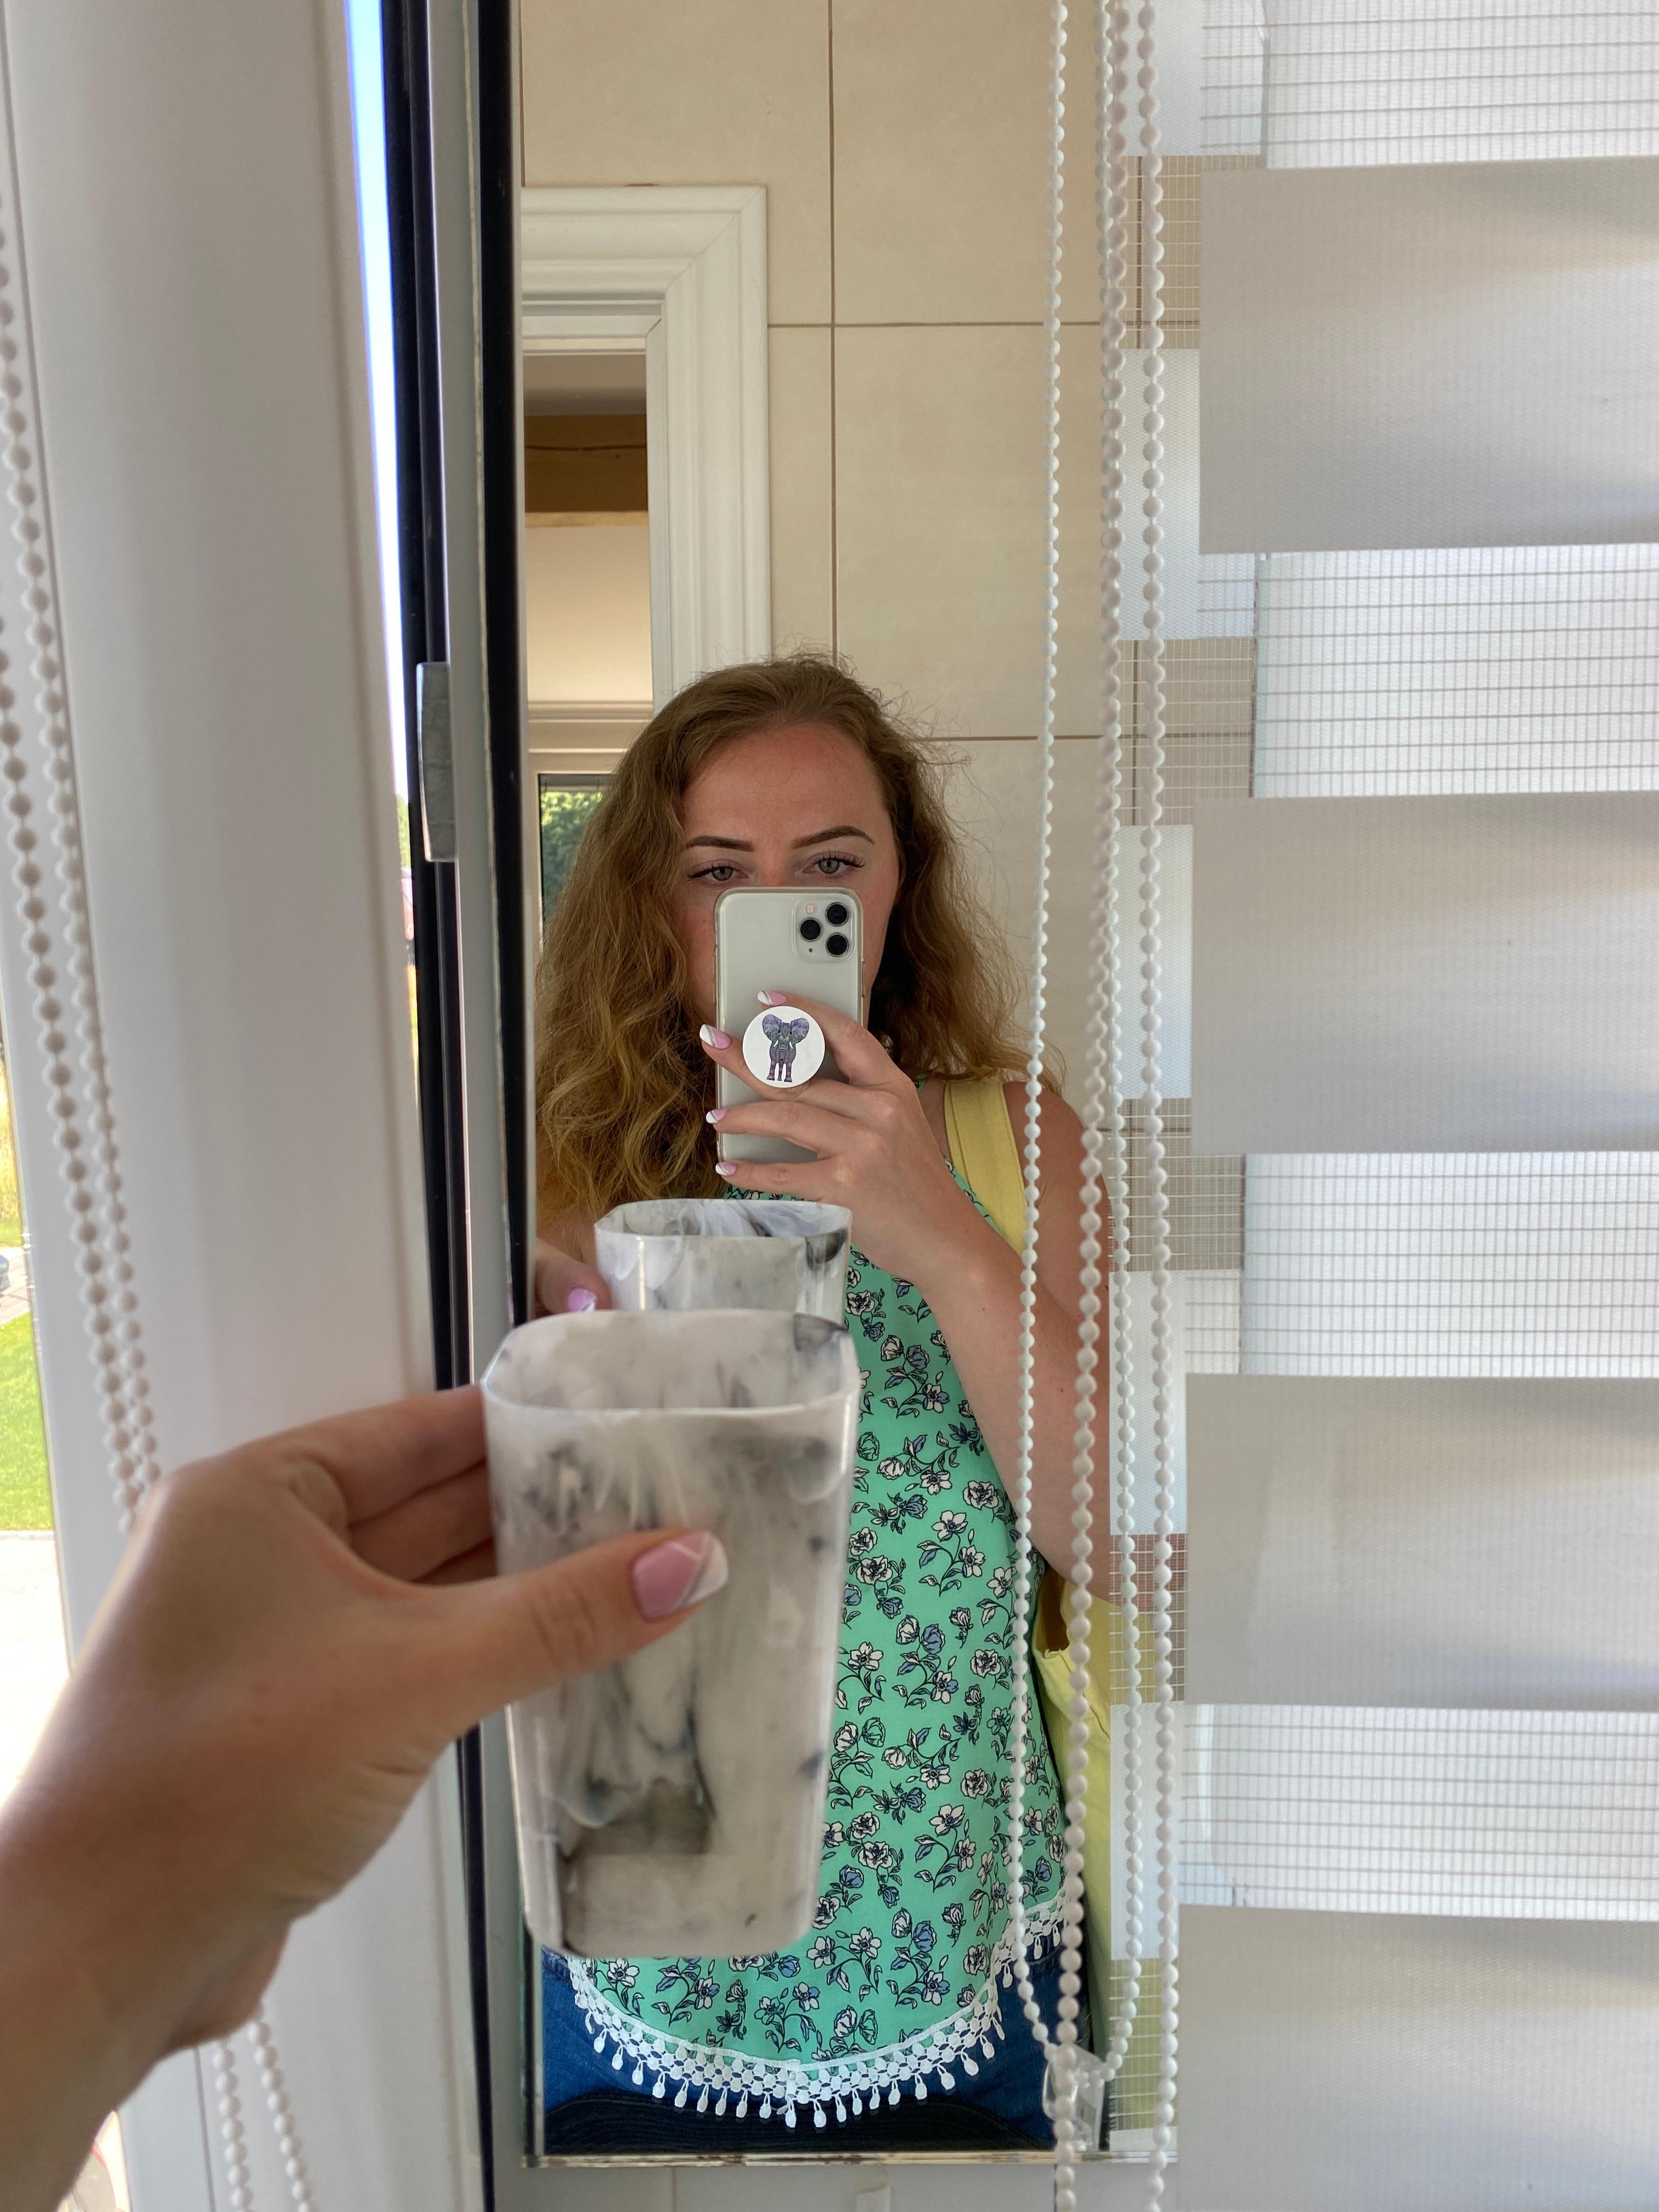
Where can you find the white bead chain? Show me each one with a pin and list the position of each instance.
(1070, 2142)
(281, 2112)
(230, 2128)
(1152, 1003)
(1022, 1487)
(83, 1126)
(1102, 1111)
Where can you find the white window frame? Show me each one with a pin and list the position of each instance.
(232, 742)
(216, 608)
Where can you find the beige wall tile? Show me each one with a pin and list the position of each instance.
(941, 154)
(938, 465)
(720, 92)
(803, 541)
(940, 476)
(992, 792)
(941, 133)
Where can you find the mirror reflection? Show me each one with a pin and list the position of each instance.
(878, 748)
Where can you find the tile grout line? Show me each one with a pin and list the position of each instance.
(835, 422)
(1085, 324)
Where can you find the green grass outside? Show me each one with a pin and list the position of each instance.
(24, 1496)
(11, 1221)
(565, 813)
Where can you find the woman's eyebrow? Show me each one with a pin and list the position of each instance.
(840, 829)
(818, 837)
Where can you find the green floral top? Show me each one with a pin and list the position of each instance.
(898, 1981)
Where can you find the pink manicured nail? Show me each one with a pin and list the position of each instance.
(774, 998)
(726, 1168)
(580, 1300)
(677, 1574)
(717, 1115)
(716, 1040)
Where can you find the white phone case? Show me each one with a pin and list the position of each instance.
(758, 946)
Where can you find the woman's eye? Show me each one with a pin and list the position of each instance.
(832, 864)
(721, 873)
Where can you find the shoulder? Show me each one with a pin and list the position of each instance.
(1060, 1185)
(1059, 1134)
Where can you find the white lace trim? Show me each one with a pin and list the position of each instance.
(784, 2084)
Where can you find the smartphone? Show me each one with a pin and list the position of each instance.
(783, 940)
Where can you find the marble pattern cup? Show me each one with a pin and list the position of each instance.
(681, 1255)
(673, 1804)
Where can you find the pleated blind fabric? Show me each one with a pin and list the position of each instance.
(1413, 1205)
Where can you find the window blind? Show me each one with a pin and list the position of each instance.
(1312, 83)
(1410, 1211)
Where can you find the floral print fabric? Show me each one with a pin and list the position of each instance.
(914, 1909)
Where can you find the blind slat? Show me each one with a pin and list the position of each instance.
(1397, 1542)
(1464, 974)
(1338, 2063)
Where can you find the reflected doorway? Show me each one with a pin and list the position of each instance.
(586, 589)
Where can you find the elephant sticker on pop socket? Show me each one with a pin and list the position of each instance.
(783, 1046)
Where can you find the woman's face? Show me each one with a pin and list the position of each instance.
(798, 806)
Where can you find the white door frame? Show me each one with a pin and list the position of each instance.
(678, 272)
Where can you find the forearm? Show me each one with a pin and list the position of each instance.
(297, 1631)
(973, 1289)
(66, 2060)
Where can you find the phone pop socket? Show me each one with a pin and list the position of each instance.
(783, 1046)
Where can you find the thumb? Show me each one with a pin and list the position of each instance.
(565, 1286)
(513, 1634)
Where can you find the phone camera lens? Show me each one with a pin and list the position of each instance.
(834, 945)
(810, 929)
(836, 914)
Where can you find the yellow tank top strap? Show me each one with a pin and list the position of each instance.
(985, 1155)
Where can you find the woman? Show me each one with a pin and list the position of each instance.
(790, 773)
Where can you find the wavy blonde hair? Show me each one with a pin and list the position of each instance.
(622, 1082)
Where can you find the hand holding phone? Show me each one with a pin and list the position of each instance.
(782, 940)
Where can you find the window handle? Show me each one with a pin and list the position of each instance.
(437, 759)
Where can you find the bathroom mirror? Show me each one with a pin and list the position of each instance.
(782, 369)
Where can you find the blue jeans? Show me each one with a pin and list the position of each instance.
(590, 2105)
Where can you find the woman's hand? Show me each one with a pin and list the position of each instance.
(564, 1285)
(878, 1157)
(297, 1631)
(876, 1153)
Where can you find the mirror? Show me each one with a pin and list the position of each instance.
(895, 296)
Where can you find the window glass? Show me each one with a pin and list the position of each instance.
(33, 1651)
(566, 807)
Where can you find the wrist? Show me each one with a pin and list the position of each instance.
(110, 1899)
(965, 1258)
(70, 2051)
